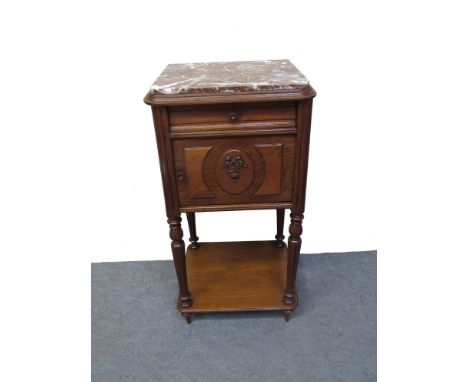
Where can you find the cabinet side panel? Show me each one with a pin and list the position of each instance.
(304, 114)
(165, 159)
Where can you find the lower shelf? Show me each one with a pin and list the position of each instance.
(237, 276)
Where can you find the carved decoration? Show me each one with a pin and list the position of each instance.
(234, 171)
(234, 165)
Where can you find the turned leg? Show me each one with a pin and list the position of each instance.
(193, 230)
(294, 247)
(279, 227)
(287, 314)
(188, 317)
(178, 253)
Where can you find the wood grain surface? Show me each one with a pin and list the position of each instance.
(236, 276)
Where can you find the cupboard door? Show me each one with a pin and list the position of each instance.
(213, 171)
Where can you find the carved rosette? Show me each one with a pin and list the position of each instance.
(234, 171)
(234, 164)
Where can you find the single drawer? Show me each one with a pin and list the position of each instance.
(232, 113)
(220, 171)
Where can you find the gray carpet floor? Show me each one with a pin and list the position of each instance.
(138, 336)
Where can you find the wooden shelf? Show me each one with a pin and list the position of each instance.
(237, 276)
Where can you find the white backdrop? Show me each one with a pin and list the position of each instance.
(80, 180)
(86, 147)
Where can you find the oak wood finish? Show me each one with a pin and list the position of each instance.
(232, 113)
(234, 150)
(178, 253)
(232, 130)
(266, 175)
(237, 276)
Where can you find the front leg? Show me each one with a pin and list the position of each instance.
(178, 253)
(188, 317)
(294, 248)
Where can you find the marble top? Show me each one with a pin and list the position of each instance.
(229, 77)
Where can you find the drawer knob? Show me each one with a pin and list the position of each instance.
(180, 176)
(233, 117)
(234, 165)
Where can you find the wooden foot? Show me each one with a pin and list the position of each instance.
(188, 317)
(287, 314)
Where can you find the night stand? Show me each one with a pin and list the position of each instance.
(233, 136)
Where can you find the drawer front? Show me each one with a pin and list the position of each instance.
(233, 113)
(214, 171)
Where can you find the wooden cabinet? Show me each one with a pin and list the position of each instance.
(233, 136)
